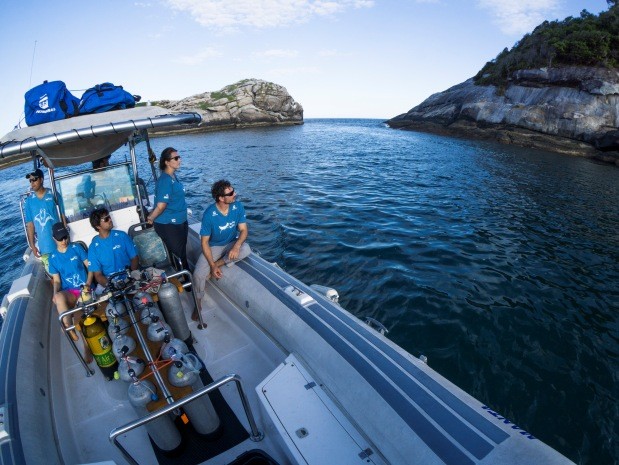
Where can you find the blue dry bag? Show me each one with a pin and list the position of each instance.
(49, 101)
(106, 97)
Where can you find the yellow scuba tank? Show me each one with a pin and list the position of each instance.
(100, 345)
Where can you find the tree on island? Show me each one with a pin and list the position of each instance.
(588, 40)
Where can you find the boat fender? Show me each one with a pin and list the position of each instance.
(328, 292)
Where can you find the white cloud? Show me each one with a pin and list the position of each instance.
(199, 57)
(227, 15)
(516, 17)
(277, 53)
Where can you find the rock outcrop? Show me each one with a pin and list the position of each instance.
(248, 103)
(572, 110)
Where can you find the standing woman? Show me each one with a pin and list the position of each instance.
(170, 213)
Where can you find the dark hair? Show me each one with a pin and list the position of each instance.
(165, 156)
(95, 217)
(219, 189)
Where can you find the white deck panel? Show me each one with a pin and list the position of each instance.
(310, 423)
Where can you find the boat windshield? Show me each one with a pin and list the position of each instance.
(79, 194)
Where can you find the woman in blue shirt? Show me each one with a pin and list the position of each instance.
(170, 213)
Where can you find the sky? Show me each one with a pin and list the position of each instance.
(337, 58)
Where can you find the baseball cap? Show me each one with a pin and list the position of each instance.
(36, 173)
(59, 231)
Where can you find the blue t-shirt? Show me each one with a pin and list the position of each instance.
(42, 213)
(70, 266)
(112, 254)
(222, 229)
(171, 192)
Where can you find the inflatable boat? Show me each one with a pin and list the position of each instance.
(274, 371)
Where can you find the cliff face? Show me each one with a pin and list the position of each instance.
(571, 110)
(247, 103)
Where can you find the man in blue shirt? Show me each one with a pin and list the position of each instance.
(223, 235)
(68, 267)
(41, 214)
(111, 250)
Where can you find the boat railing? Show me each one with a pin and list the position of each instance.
(255, 434)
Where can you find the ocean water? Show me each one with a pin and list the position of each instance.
(499, 264)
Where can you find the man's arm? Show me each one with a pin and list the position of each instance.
(100, 278)
(31, 241)
(208, 254)
(236, 248)
(135, 263)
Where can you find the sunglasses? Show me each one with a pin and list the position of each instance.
(176, 158)
(106, 218)
(63, 238)
(229, 194)
(33, 179)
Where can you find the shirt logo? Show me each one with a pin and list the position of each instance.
(214, 213)
(233, 207)
(73, 258)
(75, 281)
(166, 196)
(116, 247)
(43, 217)
(229, 225)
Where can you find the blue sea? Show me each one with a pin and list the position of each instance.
(500, 264)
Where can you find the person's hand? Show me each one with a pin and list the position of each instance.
(149, 219)
(234, 252)
(216, 272)
(35, 251)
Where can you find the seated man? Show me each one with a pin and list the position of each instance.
(111, 250)
(68, 267)
(223, 234)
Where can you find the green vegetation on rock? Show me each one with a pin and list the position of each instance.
(588, 40)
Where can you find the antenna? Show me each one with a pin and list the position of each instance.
(32, 64)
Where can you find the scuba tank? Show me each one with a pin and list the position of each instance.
(143, 302)
(117, 326)
(130, 367)
(142, 299)
(147, 314)
(173, 347)
(115, 310)
(162, 431)
(123, 345)
(158, 330)
(172, 308)
(100, 345)
(185, 372)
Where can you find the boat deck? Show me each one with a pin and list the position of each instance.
(90, 407)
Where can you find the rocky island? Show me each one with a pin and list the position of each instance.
(247, 103)
(565, 107)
